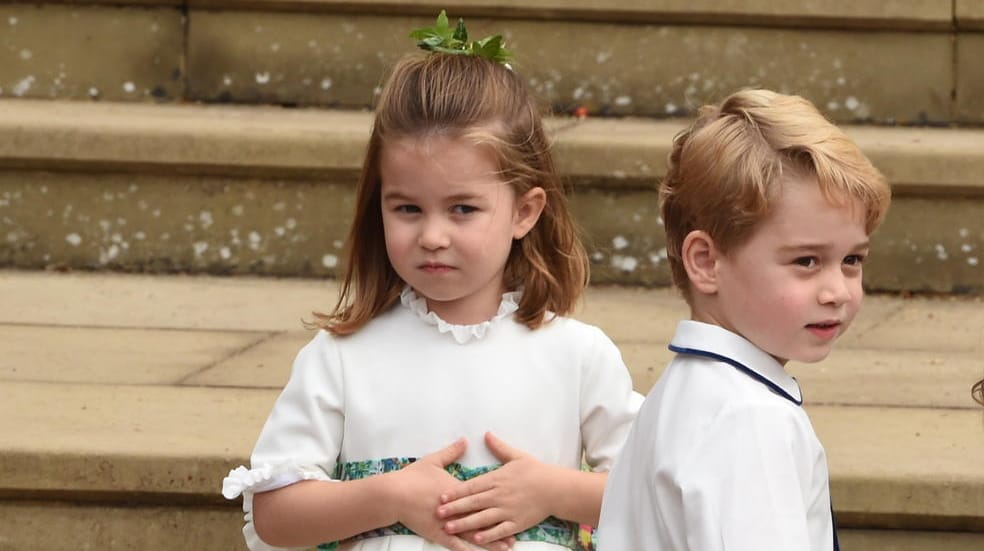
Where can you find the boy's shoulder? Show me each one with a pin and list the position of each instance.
(718, 361)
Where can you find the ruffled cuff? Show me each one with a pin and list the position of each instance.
(246, 482)
(242, 481)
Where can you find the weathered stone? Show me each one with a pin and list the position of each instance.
(936, 479)
(126, 439)
(899, 14)
(929, 245)
(91, 52)
(113, 355)
(970, 76)
(64, 526)
(142, 222)
(968, 14)
(341, 60)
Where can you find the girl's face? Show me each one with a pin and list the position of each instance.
(449, 222)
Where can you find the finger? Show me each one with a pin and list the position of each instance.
(504, 452)
(452, 542)
(477, 485)
(498, 532)
(450, 454)
(501, 545)
(476, 521)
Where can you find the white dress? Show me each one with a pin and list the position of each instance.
(408, 384)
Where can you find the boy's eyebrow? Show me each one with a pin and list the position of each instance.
(821, 246)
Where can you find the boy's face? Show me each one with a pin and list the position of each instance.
(795, 286)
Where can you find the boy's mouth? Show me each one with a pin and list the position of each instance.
(825, 329)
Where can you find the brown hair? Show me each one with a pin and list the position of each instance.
(726, 171)
(473, 98)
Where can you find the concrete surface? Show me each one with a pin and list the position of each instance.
(127, 398)
(265, 190)
(648, 58)
(91, 52)
(340, 60)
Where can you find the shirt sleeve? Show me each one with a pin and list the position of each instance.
(608, 403)
(301, 438)
(744, 487)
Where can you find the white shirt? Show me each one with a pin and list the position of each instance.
(718, 459)
(408, 384)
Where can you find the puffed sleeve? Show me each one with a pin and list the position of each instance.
(608, 403)
(747, 482)
(302, 436)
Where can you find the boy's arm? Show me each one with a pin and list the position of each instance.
(746, 484)
(520, 494)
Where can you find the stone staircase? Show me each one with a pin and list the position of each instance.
(223, 137)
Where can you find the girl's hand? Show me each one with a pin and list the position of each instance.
(500, 503)
(420, 486)
(419, 489)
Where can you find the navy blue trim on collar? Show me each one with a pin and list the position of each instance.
(740, 367)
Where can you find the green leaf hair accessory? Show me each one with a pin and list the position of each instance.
(441, 38)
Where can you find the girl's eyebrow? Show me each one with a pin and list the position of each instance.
(456, 198)
(395, 196)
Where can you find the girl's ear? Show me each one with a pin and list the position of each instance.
(529, 206)
(700, 258)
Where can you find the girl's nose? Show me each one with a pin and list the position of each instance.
(433, 235)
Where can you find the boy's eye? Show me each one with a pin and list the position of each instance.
(854, 259)
(463, 209)
(806, 261)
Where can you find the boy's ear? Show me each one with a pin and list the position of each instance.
(700, 257)
(529, 206)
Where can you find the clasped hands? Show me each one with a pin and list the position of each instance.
(486, 510)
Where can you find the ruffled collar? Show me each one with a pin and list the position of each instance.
(461, 333)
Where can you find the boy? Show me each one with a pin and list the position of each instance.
(767, 208)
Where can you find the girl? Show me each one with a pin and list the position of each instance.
(448, 335)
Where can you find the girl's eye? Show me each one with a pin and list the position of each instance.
(806, 261)
(463, 209)
(408, 209)
(854, 259)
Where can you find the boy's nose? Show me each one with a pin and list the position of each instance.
(836, 289)
(433, 235)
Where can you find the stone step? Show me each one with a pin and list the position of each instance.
(128, 398)
(268, 190)
(908, 61)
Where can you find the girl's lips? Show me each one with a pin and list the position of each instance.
(435, 268)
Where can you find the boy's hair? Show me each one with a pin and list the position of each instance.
(726, 171)
(488, 104)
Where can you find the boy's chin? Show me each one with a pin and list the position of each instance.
(811, 357)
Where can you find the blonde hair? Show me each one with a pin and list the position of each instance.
(726, 171)
(476, 99)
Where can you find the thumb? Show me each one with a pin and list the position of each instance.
(450, 454)
(504, 452)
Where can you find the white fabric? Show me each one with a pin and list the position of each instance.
(404, 387)
(716, 460)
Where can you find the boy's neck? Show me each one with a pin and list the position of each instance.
(703, 310)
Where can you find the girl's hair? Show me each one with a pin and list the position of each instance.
(726, 172)
(488, 104)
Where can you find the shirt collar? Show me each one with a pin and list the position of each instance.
(703, 339)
